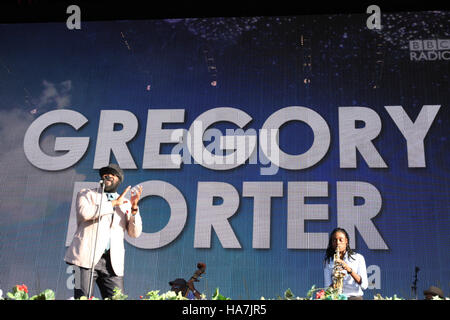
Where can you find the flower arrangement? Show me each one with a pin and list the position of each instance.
(313, 294)
(325, 294)
(86, 298)
(288, 295)
(170, 295)
(20, 292)
(380, 297)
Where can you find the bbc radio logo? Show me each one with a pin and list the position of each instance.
(429, 50)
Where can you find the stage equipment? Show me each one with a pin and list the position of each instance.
(90, 290)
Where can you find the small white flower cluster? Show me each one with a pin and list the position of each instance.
(169, 295)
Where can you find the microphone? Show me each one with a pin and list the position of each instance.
(105, 178)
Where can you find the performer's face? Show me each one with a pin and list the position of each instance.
(111, 182)
(340, 240)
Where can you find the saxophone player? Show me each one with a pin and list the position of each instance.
(339, 256)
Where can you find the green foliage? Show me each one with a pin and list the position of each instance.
(169, 295)
(217, 296)
(310, 292)
(86, 298)
(20, 292)
(324, 294)
(118, 295)
(47, 294)
(288, 295)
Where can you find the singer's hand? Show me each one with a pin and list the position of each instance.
(135, 196)
(120, 200)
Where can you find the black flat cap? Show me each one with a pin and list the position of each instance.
(114, 169)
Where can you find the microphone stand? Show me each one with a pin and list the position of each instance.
(414, 285)
(102, 185)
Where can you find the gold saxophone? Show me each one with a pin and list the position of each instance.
(338, 273)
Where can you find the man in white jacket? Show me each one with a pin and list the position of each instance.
(111, 214)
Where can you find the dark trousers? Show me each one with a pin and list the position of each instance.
(104, 277)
